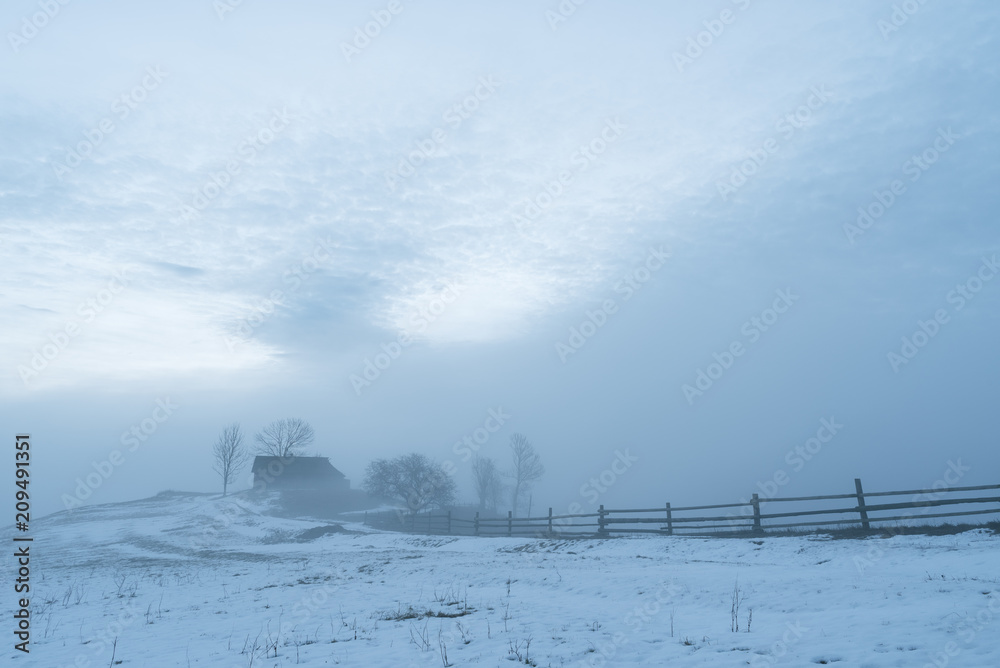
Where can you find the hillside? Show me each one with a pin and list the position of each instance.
(194, 580)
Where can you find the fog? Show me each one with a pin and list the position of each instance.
(668, 242)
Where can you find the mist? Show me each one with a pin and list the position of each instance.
(695, 268)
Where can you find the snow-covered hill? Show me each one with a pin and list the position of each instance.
(194, 580)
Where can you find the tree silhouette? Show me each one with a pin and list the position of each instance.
(285, 437)
(230, 454)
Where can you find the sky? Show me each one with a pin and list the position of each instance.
(692, 250)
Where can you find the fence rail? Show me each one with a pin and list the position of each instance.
(675, 520)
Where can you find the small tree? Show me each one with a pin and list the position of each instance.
(413, 479)
(486, 480)
(230, 454)
(285, 437)
(526, 467)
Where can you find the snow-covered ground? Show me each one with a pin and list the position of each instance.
(190, 580)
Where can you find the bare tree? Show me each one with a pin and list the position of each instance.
(413, 479)
(486, 480)
(230, 455)
(526, 467)
(285, 437)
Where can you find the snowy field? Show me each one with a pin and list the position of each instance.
(188, 580)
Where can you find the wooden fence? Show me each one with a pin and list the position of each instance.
(749, 516)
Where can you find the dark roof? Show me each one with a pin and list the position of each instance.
(297, 467)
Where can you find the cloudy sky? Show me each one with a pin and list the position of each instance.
(698, 234)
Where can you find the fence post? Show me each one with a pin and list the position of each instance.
(861, 505)
(550, 521)
(601, 529)
(756, 512)
(449, 522)
(475, 525)
(670, 521)
(510, 522)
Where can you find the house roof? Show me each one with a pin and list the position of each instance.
(300, 467)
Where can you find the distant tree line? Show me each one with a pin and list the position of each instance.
(413, 479)
(419, 483)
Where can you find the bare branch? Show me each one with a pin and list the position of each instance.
(230, 455)
(413, 479)
(526, 467)
(285, 437)
(486, 480)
